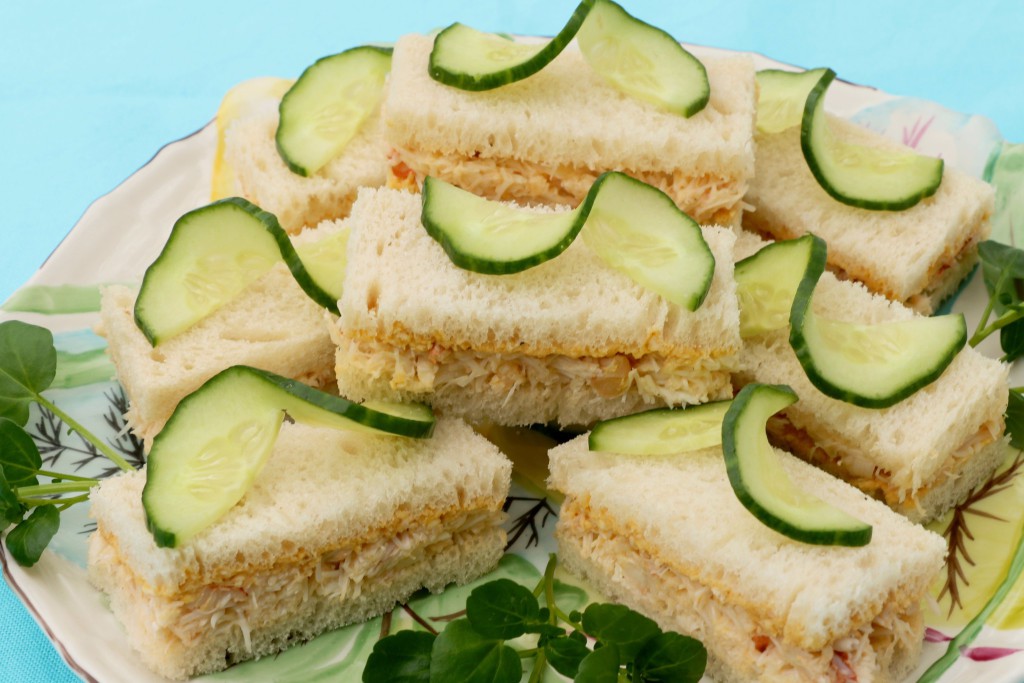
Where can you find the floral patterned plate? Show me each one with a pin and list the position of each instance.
(124, 230)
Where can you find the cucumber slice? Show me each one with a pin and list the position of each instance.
(865, 177)
(494, 238)
(638, 230)
(781, 97)
(328, 104)
(325, 260)
(212, 255)
(468, 59)
(219, 437)
(764, 488)
(873, 366)
(635, 228)
(767, 282)
(643, 61)
(662, 431)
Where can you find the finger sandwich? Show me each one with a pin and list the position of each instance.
(272, 325)
(338, 528)
(917, 256)
(545, 139)
(569, 341)
(920, 456)
(667, 536)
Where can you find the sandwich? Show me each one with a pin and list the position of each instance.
(261, 175)
(545, 139)
(272, 325)
(920, 456)
(667, 536)
(569, 341)
(337, 528)
(917, 256)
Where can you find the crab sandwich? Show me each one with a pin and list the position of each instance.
(545, 139)
(338, 527)
(667, 536)
(571, 340)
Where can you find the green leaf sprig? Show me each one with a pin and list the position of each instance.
(1002, 268)
(28, 364)
(501, 615)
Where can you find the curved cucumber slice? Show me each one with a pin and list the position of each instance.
(325, 260)
(634, 227)
(638, 230)
(767, 282)
(662, 431)
(468, 59)
(329, 102)
(764, 488)
(212, 255)
(490, 237)
(781, 97)
(865, 177)
(219, 437)
(874, 366)
(643, 61)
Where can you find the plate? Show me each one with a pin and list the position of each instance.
(123, 231)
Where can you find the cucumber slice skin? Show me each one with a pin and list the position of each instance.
(273, 396)
(813, 118)
(687, 69)
(149, 302)
(808, 262)
(458, 76)
(286, 113)
(757, 402)
(632, 434)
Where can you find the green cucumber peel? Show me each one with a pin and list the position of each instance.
(862, 177)
(214, 445)
(217, 267)
(327, 106)
(764, 488)
(634, 227)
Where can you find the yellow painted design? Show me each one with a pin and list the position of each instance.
(528, 451)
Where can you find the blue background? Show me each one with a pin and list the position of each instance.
(90, 90)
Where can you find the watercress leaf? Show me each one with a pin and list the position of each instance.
(1002, 268)
(30, 537)
(546, 630)
(1011, 339)
(670, 658)
(400, 658)
(28, 362)
(461, 654)
(1015, 419)
(19, 455)
(620, 625)
(600, 666)
(565, 654)
(502, 609)
(570, 598)
(11, 509)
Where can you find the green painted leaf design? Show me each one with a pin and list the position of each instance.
(54, 299)
(1006, 172)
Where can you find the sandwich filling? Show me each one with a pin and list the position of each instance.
(709, 198)
(742, 646)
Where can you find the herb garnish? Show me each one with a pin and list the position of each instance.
(476, 648)
(1002, 268)
(28, 364)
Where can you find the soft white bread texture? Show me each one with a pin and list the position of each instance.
(338, 527)
(273, 325)
(546, 138)
(917, 256)
(922, 455)
(571, 340)
(668, 537)
(297, 201)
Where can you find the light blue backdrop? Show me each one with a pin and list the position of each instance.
(90, 90)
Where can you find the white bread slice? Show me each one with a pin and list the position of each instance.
(273, 325)
(667, 536)
(545, 138)
(337, 528)
(299, 202)
(917, 256)
(570, 340)
(922, 455)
